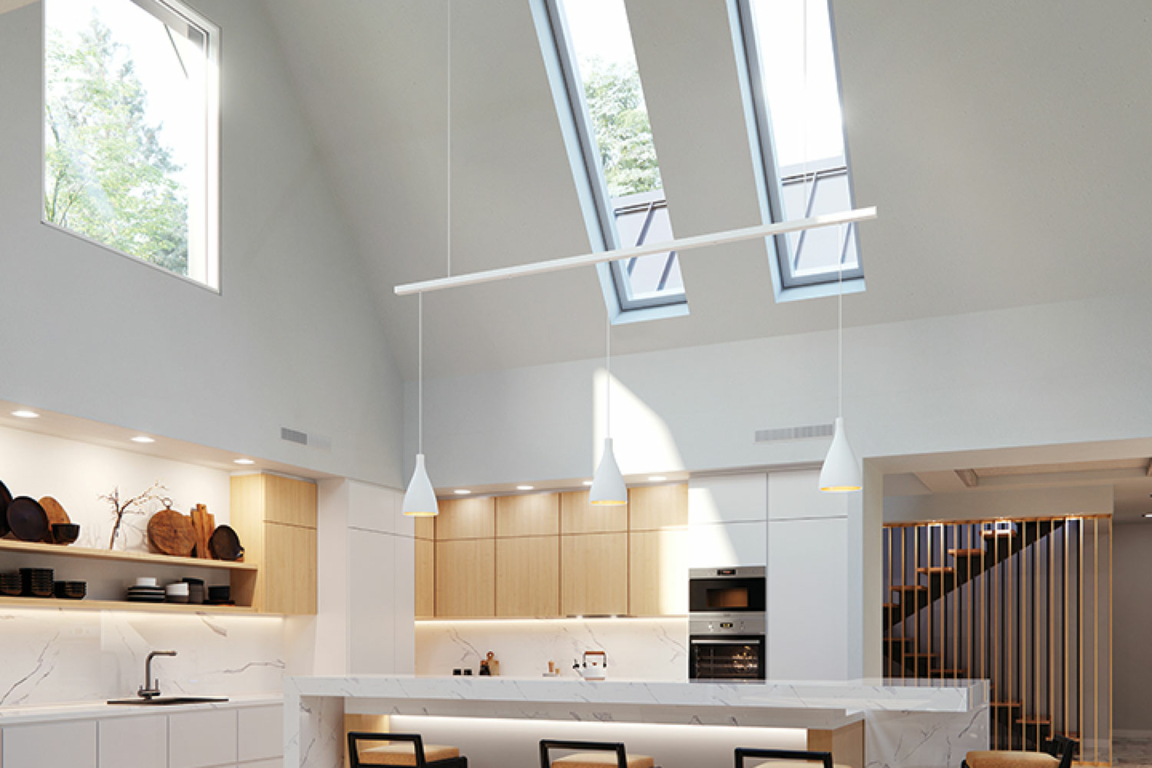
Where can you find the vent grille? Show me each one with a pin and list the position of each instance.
(293, 436)
(794, 433)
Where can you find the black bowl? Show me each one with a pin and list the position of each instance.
(65, 533)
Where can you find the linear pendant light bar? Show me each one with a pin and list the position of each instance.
(683, 244)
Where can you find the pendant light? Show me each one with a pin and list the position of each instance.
(841, 471)
(420, 498)
(608, 489)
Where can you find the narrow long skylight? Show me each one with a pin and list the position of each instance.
(594, 41)
(796, 92)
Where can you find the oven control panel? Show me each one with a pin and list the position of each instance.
(727, 624)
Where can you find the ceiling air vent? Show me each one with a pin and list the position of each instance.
(293, 436)
(793, 433)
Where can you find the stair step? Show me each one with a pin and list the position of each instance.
(935, 569)
(910, 588)
(999, 533)
(889, 606)
(921, 655)
(966, 552)
(895, 640)
(1005, 704)
(949, 672)
(1033, 720)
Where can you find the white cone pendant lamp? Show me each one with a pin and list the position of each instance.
(841, 471)
(608, 489)
(420, 498)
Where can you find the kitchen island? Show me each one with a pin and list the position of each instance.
(905, 724)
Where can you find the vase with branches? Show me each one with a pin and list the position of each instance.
(132, 506)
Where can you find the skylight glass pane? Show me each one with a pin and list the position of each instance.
(801, 111)
(126, 129)
(605, 62)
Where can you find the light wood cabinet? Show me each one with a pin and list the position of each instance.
(594, 574)
(466, 578)
(658, 573)
(578, 515)
(466, 519)
(528, 576)
(424, 527)
(275, 518)
(425, 579)
(656, 507)
(536, 514)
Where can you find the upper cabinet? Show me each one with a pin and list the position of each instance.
(536, 514)
(578, 515)
(728, 499)
(466, 519)
(466, 578)
(289, 501)
(594, 574)
(658, 507)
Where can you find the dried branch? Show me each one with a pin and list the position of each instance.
(131, 506)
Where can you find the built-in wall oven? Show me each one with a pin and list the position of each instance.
(726, 624)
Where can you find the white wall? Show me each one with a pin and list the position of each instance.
(1132, 673)
(293, 340)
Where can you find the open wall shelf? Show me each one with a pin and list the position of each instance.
(56, 550)
(119, 605)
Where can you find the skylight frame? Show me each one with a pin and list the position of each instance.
(613, 278)
(773, 183)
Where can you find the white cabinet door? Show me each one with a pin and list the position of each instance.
(404, 607)
(727, 544)
(797, 495)
(371, 591)
(728, 499)
(261, 733)
(134, 742)
(202, 739)
(808, 599)
(275, 763)
(71, 744)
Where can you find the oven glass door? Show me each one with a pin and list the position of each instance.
(726, 658)
(726, 595)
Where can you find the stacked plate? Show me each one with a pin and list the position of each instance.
(221, 595)
(196, 590)
(146, 590)
(11, 584)
(71, 590)
(37, 582)
(177, 592)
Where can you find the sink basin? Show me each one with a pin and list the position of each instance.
(161, 701)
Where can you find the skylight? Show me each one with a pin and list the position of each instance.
(594, 43)
(796, 93)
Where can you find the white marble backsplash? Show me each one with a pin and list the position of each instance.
(55, 656)
(637, 649)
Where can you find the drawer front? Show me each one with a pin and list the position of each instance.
(202, 739)
(134, 742)
(71, 744)
(261, 733)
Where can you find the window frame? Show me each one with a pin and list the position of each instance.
(166, 11)
(627, 308)
(773, 181)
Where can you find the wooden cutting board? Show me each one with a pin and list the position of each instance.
(56, 515)
(171, 533)
(203, 524)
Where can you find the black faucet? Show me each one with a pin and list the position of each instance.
(149, 693)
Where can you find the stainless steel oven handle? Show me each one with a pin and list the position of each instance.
(724, 642)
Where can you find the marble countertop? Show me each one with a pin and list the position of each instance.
(88, 710)
(799, 704)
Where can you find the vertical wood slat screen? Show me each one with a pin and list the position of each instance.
(1023, 602)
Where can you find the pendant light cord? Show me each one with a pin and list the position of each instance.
(420, 373)
(804, 104)
(608, 380)
(840, 334)
(448, 123)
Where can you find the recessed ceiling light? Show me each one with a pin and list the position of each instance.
(245, 462)
(463, 491)
(142, 439)
(656, 478)
(587, 482)
(525, 487)
(26, 414)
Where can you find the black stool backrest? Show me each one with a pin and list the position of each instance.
(1062, 748)
(355, 737)
(781, 754)
(547, 745)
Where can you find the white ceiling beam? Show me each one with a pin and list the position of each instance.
(678, 245)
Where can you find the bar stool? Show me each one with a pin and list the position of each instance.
(783, 758)
(1057, 754)
(414, 753)
(592, 754)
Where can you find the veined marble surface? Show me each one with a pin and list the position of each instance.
(53, 657)
(941, 712)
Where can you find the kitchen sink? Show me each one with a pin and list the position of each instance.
(160, 701)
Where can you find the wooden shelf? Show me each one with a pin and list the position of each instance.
(56, 550)
(119, 605)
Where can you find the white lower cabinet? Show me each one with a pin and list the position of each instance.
(134, 742)
(261, 733)
(202, 739)
(71, 744)
(273, 763)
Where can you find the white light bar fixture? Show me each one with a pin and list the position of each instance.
(679, 245)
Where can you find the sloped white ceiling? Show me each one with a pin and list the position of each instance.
(1004, 143)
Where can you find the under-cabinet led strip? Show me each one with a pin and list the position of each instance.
(682, 244)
